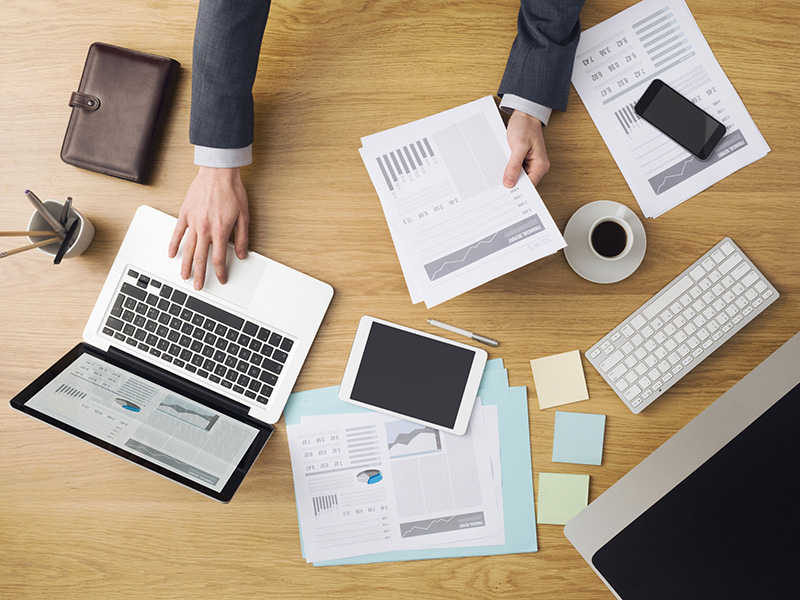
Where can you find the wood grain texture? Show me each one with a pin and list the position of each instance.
(79, 523)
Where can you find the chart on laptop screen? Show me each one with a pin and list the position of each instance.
(138, 416)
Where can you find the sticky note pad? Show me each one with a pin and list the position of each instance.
(561, 497)
(559, 379)
(578, 438)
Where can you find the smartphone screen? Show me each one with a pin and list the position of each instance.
(677, 117)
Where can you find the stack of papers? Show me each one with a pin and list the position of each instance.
(453, 223)
(615, 62)
(373, 488)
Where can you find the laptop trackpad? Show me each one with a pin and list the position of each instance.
(243, 278)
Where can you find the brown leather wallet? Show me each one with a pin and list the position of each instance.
(118, 111)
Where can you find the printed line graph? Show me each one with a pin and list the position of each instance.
(484, 247)
(442, 524)
(689, 166)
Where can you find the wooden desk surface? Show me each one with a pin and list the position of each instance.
(79, 523)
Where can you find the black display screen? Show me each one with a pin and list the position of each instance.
(680, 119)
(412, 375)
(729, 530)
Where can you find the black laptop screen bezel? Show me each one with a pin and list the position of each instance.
(162, 378)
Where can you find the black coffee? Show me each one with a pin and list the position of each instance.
(609, 239)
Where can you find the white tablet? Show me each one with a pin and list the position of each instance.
(413, 375)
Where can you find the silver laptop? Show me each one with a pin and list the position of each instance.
(245, 340)
(181, 382)
(713, 512)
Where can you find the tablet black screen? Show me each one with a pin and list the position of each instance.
(412, 375)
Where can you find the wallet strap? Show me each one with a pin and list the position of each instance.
(84, 101)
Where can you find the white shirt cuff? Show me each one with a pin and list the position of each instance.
(510, 103)
(221, 158)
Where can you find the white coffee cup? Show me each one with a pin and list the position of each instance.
(80, 239)
(611, 236)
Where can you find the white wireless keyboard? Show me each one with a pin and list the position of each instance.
(697, 312)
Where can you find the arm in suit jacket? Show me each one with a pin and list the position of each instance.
(227, 42)
(539, 66)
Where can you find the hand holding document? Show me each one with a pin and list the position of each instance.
(615, 62)
(453, 223)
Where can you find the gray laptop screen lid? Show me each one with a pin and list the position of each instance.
(709, 513)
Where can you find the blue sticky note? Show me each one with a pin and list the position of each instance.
(578, 438)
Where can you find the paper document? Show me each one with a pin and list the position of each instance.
(614, 64)
(369, 483)
(505, 414)
(453, 223)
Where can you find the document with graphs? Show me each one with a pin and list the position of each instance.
(368, 483)
(615, 62)
(453, 223)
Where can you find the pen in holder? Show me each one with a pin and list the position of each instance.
(81, 238)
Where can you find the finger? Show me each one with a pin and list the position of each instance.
(200, 261)
(241, 237)
(189, 244)
(177, 234)
(537, 169)
(514, 168)
(219, 251)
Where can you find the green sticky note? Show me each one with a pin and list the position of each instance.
(561, 497)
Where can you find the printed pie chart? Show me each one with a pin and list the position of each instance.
(369, 476)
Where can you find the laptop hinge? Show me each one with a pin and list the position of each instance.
(177, 383)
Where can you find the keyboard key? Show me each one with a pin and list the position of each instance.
(115, 324)
(250, 328)
(215, 313)
(132, 291)
(612, 360)
(179, 297)
(271, 365)
(268, 378)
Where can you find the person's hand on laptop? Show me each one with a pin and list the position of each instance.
(215, 205)
(525, 137)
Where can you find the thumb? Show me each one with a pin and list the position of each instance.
(514, 168)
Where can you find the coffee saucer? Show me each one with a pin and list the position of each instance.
(581, 257)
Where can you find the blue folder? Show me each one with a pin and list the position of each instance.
(515, 458)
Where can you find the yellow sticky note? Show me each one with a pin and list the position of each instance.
(559, 379)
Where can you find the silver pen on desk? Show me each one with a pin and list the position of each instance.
(46, 214)
(478, 338)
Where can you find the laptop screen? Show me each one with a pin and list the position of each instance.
(105, 402)
(728, 530)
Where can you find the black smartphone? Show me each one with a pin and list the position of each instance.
(678, 118)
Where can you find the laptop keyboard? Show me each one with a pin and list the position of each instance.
(179, 328)
(679, 327)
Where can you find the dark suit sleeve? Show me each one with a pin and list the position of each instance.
(227, 42)
(539, 66)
